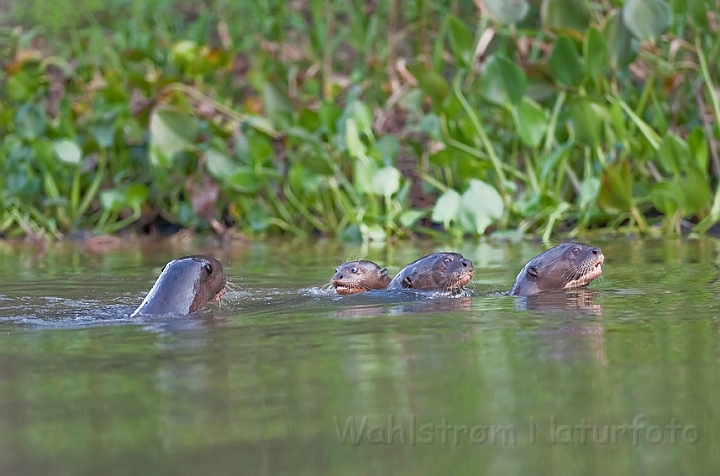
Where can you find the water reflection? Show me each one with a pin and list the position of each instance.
(422, 304)
(573, 301)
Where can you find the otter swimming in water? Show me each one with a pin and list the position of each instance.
(184, 286)
(358, 277)
(568, 265)
(446, 272)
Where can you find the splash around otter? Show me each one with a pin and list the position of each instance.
(568, 265)
(184, 286)
(358, 277)
(446, 272)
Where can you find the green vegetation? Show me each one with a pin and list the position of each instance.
(360, 119)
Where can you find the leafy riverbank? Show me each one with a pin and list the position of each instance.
(362, 120)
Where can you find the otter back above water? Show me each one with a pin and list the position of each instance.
(184, 286)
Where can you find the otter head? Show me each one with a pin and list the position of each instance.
(568, 265)
(439, 272)
(184, 286)
(211, 283)
(358, 277)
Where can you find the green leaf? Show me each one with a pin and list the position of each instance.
(30, 121)
(259, 149)
(594, 53)
(530, 121)
(112, 200)
(507, 11)
(373, 233)
(665, 197)
(183, 53)
(360, 113)
(364, 171)
(409, 217)
(673, 154)
(554, 161)
(171, 131)
(386, 181)
(219, 165)
(258, 219)
(565, 63)
(481, 206)
(389, 146)
(243, 180)
(462, 42)
(698, 11)
(589, 191)
(447, 208)
(276, 103)
(621, 48)
(616, 191)
(696, 191)
(699, 148)
(646, 19)
(303, 179)
(355, 146)
(67, 151)
(588, 119)
(431, 82)
(566, 16)
(136, 195)
(103, 130)
(329, 113)
(309, 120)
(502, 81)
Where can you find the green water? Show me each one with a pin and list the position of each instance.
(268, 382)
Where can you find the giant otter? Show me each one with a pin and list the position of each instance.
(184, 286)
(568, 265)
(447, 272)
(359, 276)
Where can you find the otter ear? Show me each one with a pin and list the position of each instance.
(383, 272)
(407, 281)
(532, 271)
(208, 267)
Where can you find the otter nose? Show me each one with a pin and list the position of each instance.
(338, 276)
(595, 251)
(465, 263)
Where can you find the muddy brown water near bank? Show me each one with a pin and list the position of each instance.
(285, 377)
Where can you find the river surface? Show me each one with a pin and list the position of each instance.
(286, 377)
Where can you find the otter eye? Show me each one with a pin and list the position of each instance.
(447, 260)
(353, 269)
(532, 271)
(575, 251)
(337, 269)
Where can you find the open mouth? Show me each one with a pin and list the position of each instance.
(466, 278)
(218, 297)
(596, 270)
(461, 281)
(589, 276)
(343, 289)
